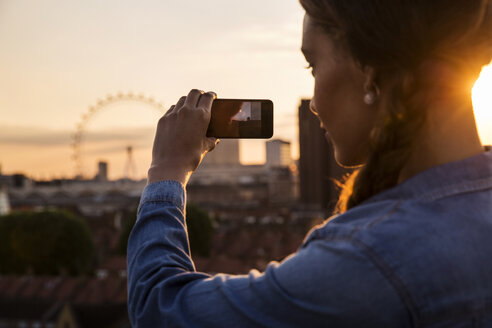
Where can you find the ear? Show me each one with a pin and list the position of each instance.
(371, 81)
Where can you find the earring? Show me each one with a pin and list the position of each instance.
(370, 98)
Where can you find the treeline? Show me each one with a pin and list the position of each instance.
(200, 231)
(45, 243)
(54, 242)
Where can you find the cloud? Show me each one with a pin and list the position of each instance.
(115, 149)
(40, 136)
(32, 136)
(119, 135)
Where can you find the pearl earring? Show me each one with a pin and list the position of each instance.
(370, 98)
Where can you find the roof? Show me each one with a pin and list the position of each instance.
(94, 302)
(77, 290)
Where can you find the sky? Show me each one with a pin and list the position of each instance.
(59, 58)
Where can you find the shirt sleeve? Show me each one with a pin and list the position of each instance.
(326, 283)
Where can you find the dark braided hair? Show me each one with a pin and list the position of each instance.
(398, 38)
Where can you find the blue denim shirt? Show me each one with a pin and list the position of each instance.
(416, 255)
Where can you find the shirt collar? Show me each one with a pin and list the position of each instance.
(471, 174)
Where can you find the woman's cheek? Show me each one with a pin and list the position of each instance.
(316, 102)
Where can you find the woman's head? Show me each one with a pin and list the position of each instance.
(338, 101)
(379, 65)
(402, 34)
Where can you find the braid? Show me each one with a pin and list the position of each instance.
(390, 145)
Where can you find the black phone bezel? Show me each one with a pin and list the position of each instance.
(266, 119)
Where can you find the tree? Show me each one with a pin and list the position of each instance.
(128, 224)
(44, 243)
(199, 225)
(200, 230)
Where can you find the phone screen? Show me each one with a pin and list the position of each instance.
(241, 118)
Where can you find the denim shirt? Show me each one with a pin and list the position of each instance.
(416, 255)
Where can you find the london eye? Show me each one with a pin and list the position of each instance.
(101, 105)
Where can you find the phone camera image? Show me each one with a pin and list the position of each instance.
(235, 118)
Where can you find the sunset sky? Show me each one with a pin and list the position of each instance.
(60, 57)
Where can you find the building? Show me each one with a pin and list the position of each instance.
(278, 153)
(225, 153)
(317, 166)
(4, 201)
(89, 197)
(62, 301)
(222, 182)
(102, 171)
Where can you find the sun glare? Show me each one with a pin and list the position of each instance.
(482, 104)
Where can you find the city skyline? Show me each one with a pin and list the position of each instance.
(60, 58)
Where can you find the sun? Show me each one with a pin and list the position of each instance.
(482, 104)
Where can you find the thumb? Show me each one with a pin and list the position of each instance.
(212, 143)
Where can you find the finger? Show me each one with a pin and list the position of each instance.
(180, 102)
(169, 111)
(213, 94)
(212, 143)
(206, 100)
(192, 98)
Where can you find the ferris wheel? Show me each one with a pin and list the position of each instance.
(100, 105)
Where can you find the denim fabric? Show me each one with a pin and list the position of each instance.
(417, 255)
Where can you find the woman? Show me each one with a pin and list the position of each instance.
(410, 246)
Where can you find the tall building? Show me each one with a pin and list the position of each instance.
(225, 153)
(317, 166)
(102, 171)
(278, 153)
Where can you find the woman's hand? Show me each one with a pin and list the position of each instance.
(180, 141)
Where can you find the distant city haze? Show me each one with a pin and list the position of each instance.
(59, 58)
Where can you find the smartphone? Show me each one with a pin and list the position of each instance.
(241, 118)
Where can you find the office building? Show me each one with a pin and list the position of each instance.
(102, 171)
(225, 153)
(317, 166)
(278, 153)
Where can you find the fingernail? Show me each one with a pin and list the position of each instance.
(213, 93)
